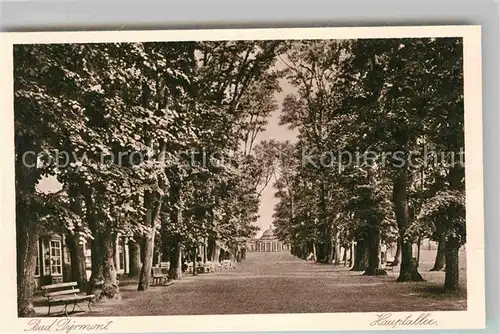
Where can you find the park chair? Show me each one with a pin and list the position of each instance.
(206, 267)
(210, 267)
(165, 266)
(65, 294)
(159, 277)
(202, 268)
(389, 265)
(228, 264)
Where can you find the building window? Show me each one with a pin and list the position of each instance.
(56, 257)
(37, 263)
(121, 257)
(46, 257)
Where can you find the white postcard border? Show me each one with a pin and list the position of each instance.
(473, 317)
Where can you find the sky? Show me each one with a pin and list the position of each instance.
(280, 133)
(273, 131)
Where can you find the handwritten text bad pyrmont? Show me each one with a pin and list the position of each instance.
(65, 325)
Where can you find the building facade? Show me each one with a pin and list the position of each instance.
(53, 260)
(267, 243)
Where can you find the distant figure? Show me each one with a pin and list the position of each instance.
(311, 257)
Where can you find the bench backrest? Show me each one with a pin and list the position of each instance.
(60, 289)
(165, 266)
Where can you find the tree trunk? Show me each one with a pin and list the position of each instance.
(96, 278)
(77, 256)
(216, 254)
(110, 287)
(135, 263)
(336, 260)
(360, 256)
(142, 247)
(419, 245)
(397, 257)
(151, 219)
(205, 255)
(147, 265)
(103, 281)
(239, 253)
(211, 249)
(27, 227)
(373, 245)
(409, 270)
(76, 250)
(175, 271)
(452, 246)
(326, 255)
(451, 270)
(440, 255)
(27, 243)
(96, 247)
(195, 254)
(344, 256)
(329, 249)
(351, 253)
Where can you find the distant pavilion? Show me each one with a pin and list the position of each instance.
(267, 243)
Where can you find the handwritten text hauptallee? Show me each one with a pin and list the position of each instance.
(390, 320)
(66, 325)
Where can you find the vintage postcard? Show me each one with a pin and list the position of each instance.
(242, 180)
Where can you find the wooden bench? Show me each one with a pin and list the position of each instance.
(165, 266)
(65, 294)
(160, 276)
(228, 264)
(389, 265)
(210, 266)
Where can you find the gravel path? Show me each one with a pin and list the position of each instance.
(280, 283)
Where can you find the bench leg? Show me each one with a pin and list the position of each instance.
(49, 309)
(90, 301)
(66, 310)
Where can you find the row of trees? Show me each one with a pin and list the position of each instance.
(157, 142)
(379, 152)
(150, 141)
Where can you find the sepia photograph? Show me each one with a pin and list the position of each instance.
(278, 175)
